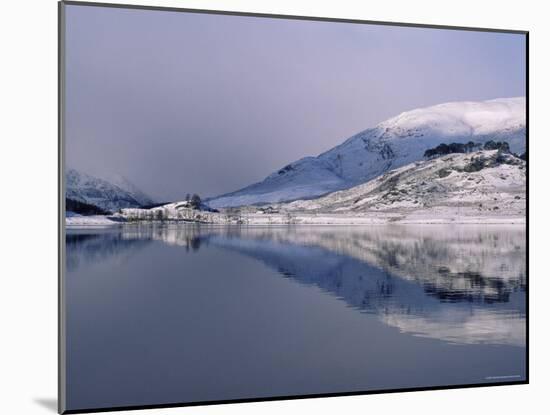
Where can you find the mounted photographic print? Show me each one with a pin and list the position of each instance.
(258, 207)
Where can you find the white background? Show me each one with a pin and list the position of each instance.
(28, 203)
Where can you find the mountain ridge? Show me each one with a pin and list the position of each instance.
(104, 194)
(392, 143)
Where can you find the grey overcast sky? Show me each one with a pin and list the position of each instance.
(184, 102)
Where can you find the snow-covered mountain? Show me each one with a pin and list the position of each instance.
(109, 196)
(391, 144)
(484, 183)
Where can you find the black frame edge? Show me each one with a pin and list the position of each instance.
(527, 140)
(61, 349)
(289, 17)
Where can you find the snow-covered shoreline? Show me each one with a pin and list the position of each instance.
(308, 220)
(80, 221)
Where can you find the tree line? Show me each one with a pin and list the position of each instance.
(194, 200)
(76, 206)
(443, 149)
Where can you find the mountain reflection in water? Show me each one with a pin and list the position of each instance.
(461, 285)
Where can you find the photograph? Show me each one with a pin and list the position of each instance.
(260, 207)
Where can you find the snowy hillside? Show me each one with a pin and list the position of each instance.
(484, 183)
(102, 193)
(392, 144)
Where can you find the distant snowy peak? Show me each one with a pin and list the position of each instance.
(105, 194)
(393, 143)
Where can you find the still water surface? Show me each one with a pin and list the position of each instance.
(183, 313)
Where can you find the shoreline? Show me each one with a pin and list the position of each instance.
(325, 220)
